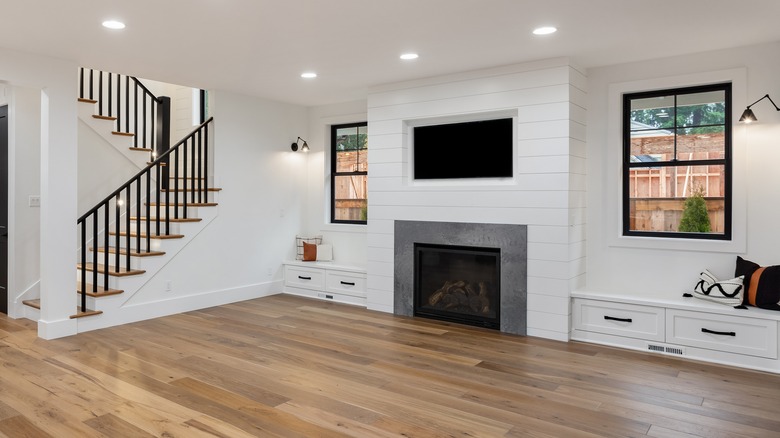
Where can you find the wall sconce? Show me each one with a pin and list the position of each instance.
(304, 148)
(748, 116)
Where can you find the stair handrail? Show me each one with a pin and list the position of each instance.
(198, 142)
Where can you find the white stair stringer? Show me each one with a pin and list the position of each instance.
(104, 129)
(114, 307)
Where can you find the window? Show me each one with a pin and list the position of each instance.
(677, 163)
(349, 173)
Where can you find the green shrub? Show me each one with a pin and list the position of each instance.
(694, 216)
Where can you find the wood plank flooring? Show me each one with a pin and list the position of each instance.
(286, 366)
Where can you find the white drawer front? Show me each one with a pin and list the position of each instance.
(641, 322)
(346, 283)
(734, 334)
(302, 277)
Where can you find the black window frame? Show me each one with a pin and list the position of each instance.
(726, 161)
(334, 173)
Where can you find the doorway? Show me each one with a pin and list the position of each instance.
(4, 209)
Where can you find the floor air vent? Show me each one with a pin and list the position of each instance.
(666, 349)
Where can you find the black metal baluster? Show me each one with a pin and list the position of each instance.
(106, 244)
(127, 104)
(127, 225)
(94, 254)
(135, 120)
(200, 166)
(184, 179)
(167, 209)
(83, 263)
(192, 164)
(138, 215)
(118, 227)
(91, 82)
(152, 131)
(206, 158)
(157, 204)
(143, 124)
(148, 210)
(175, 182)
(100, 93)
(81, 82)
(110, 94)
(118, 102)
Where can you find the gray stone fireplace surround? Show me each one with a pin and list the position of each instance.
(512, 240)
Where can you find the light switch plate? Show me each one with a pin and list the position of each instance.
(35, 201)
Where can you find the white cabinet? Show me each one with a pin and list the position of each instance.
(326, 281)
(642, 322)
(685, 327)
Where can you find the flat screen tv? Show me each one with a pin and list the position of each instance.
(481, 149)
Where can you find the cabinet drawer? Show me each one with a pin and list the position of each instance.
(734, 334)
(346, 283)
(302, 277)
(630, 320)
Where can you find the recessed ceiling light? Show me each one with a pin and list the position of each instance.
(408, 56)
(545, 30)
(113, 24)
(309, 75)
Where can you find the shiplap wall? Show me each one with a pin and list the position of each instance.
(547, 192)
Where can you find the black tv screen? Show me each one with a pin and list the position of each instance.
(480, 149)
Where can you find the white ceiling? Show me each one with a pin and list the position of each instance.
(260, 47)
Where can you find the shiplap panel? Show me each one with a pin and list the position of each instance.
(548, 286)
(381, 170)
(556, 252)
(578, 97)
(540, 147)
(578, 114)
(545, 164)
(383, 127)
(380, 226)
(576, 250)
(381, 282)
(549, 269)
(577, 233)
(470, 87)
(577, 165)
(382, 156)
(549, 304)
(379, 254)
(578, 78)
(538, 130)
(543, 112)
(578, 148)
(473, 198)
(548, 234)
(382, 268)
(547, 334)
(577, 130)
(577, 199)
(466, 213)
(385, 141)
(548, 321)
(378, 240)
(473, 104)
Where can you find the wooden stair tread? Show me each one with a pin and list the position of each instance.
(123, 272)
(123, 251)
(101, 292)
(98, 116)
(148, 163)
(153, 236)
(125, 134)
(181, 219)
(141, 149)
(85, 100)
(211, 189)
(189, 204)
(88, 312)
(35, 304)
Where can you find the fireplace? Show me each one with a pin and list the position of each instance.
(505, 244)
(458, 283)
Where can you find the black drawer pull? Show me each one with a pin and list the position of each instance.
(612, 318)
(713, 332)
(304, 278)
(347, 283)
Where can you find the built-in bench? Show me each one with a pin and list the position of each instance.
(326, 281)
(684, 327)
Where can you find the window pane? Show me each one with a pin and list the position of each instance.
(350, 198)
(699, 109)
(652, 113)
(695, 145)
(647, 146)
(657, 199)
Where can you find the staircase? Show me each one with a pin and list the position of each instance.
(138, 228)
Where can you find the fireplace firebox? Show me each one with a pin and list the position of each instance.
(458, 284)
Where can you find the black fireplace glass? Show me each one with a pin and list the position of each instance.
(458, 283)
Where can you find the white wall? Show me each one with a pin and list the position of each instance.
(55, 77)
(631, 267)
(260, 207)
(348, 240)
(546, 193)
(25, 154)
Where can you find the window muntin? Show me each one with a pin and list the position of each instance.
(349, 173)
(677, 146)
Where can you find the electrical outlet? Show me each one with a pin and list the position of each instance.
(270, 272)
(169, 285)
(34, 201)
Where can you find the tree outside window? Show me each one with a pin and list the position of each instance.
(349, 173)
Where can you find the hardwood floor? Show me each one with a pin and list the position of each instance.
(285, 366)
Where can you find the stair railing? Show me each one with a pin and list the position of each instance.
(187, 164)
(136, 109)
